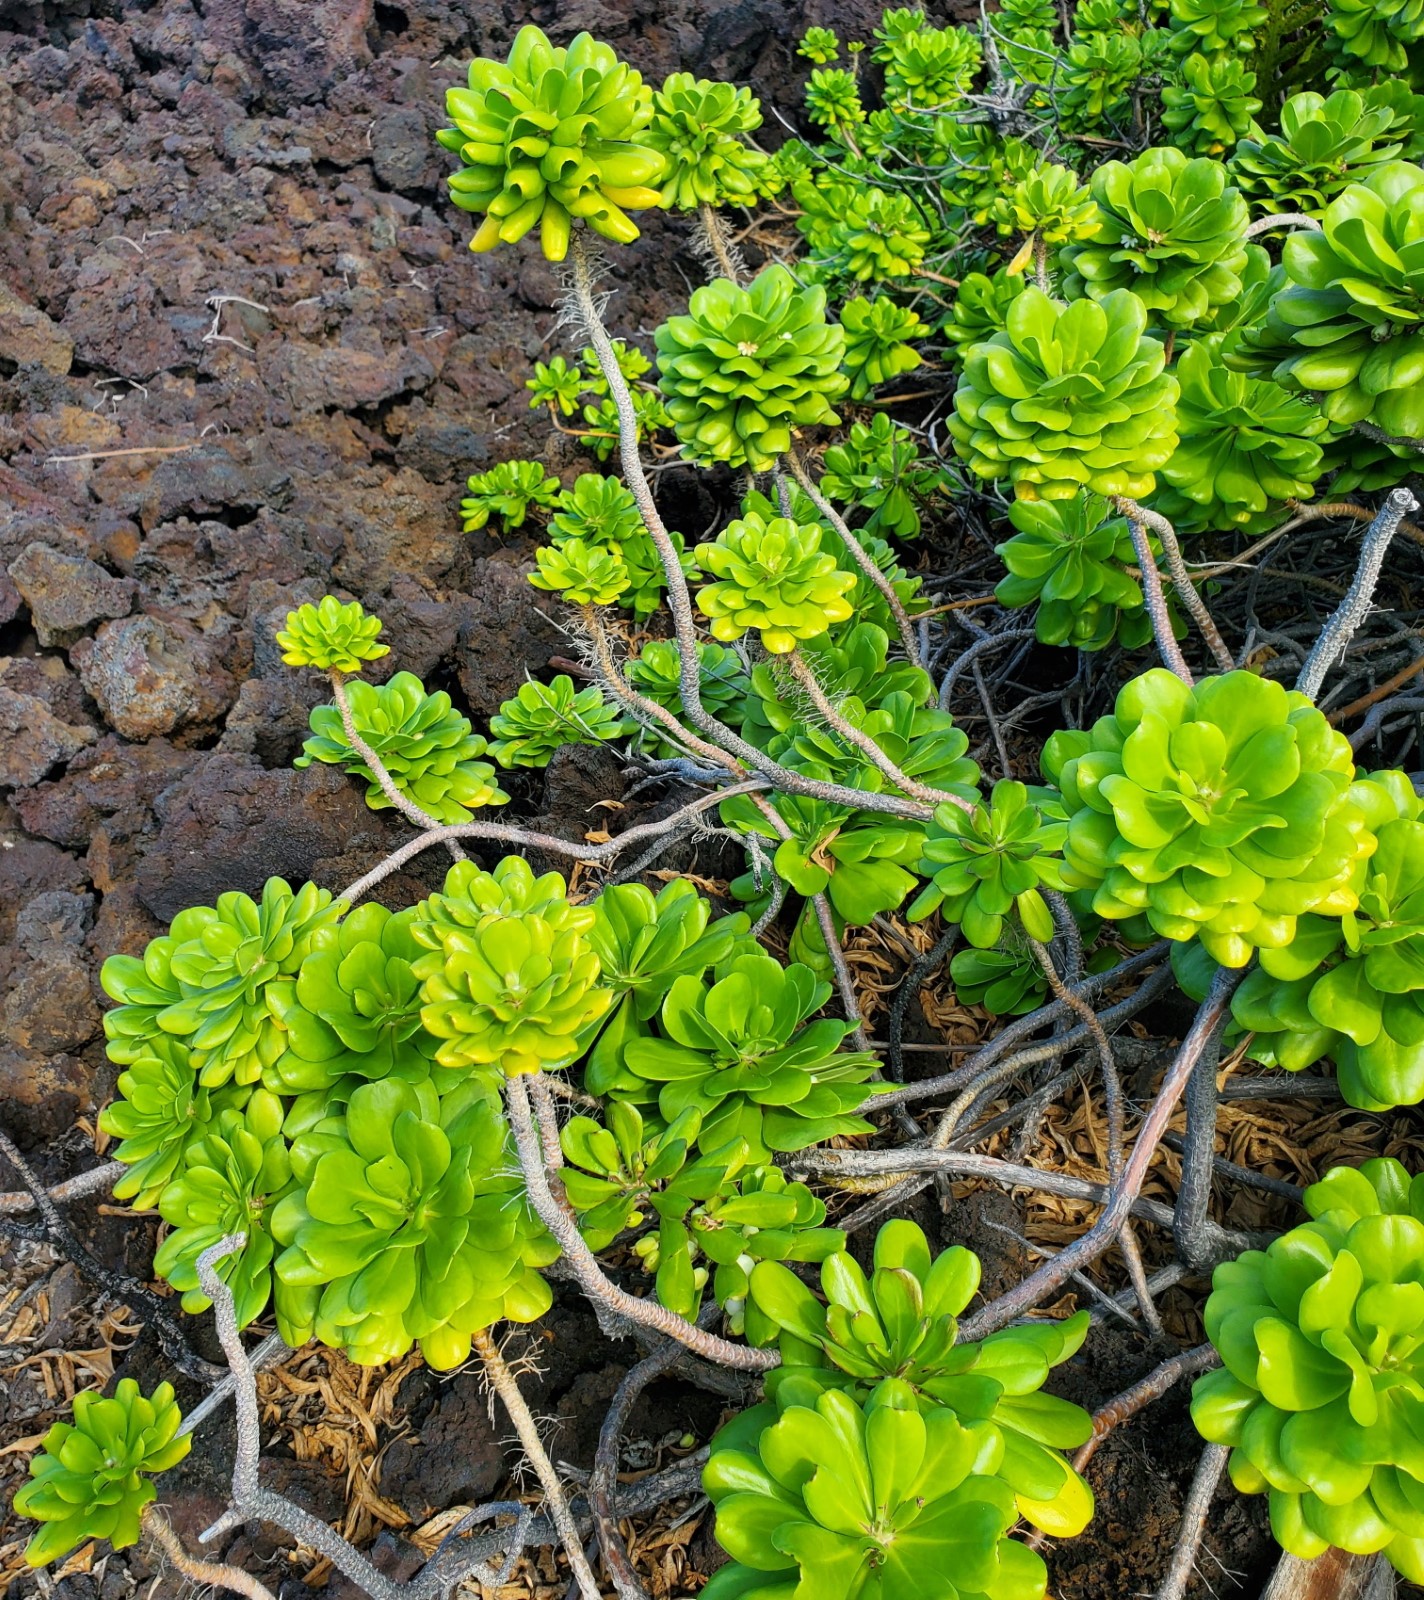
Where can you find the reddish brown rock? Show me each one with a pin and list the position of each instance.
(65, 593)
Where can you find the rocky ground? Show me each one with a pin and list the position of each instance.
(246, 359)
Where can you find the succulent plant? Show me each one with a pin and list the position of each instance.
(1211, 108)
(602, 513)
(227, 1184)
(144, 987)
(1067, 398)
(880, 470)
(714, 1205)
(833, 99)
(837, 1500)
(878, 334)
(1017, 17)
(746, 366)
(1098, 72)
(880, 235)
(409, 1225)
(471, 897)
(771, 575)
(1070, 558)
(1374, 33)
(1170, 229)
(698, 129)
(656, 673)
(997, 858)
(980, 309)
(1051, 204)
(899, 1323)
(548, 137)
(1350, 322)
(1006, 981)
(331, 636)
(585, 574)
(542, 717)
(1245, 445)
(819, 45)
(508, 491)
(742, 1053)
(1322, 1375)
(515, 993)
(644, 942)
(930, 67)
(1324, 144)
(160, 1111)
(1219, 811)
(429, 749)
(91, 1478)
(1209, 27)
(1353, 988)
(557, 385)
(357, 1006)
(980, 167)
(225, 959)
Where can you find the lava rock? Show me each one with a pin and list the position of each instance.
(147, 677)
(28, 335)
(33, 741)
(66, 593)
(457, 1458)
(507, 638)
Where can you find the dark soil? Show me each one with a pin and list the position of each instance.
(176, 473)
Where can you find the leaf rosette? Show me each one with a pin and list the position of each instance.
(698, 128)
(771, 575)
(331, 636)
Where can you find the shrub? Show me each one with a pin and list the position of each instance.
(745, 366)
(430, 749)
(331, 636)
(771, 575)
(697, 128)
(542, 717)
(1067, 398)
(551, 135)
(1319, 1339)
(1219, 811)
(878, 334)
(90, 1479)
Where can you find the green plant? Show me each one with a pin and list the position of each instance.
(471, 897)
(819, 45)
(509, 491)
(1212, 107)
(1353, 987)
(742, 1053)
(222, 961)
(557, 385)
(833, 100)
(980, 309)
(841, 1501)
(227, 1183)
(1350, 322)
(1219, 811)
(746, 366)
(1324, 144)
(1322, 1379)
(513, 992)
(1375, 33)
(331, 636)
(1208, 27)
(542, 717)
(1170, 229)
(928, 68)
(1067, 398)
(1098, 72)
(878, 334)
(161, 1110)
(357, 1006)
(879, 236)
(1050, 204)
(1070, 558)
(600, 512)
(879, 469)
(656, 673)
(551, 136)
(91, 1478)
(644, 942)
(900, 1324)
(772, 576)
(408, 1225)
(1245, 445)
(1006, 981)
(997, 858)
(429, 749)
(1017, 17)
(585, 574)
(697, 128)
